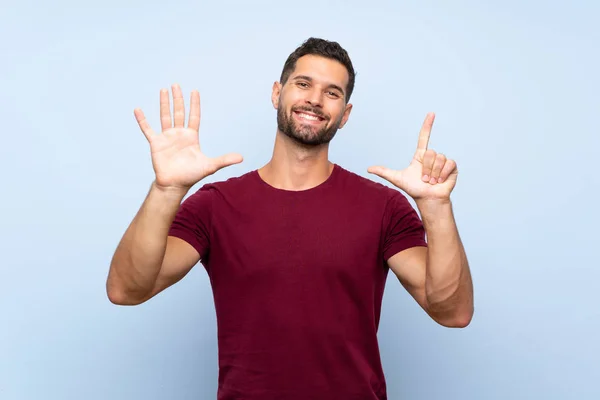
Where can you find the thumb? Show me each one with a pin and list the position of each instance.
(383, 172)
(226, 160)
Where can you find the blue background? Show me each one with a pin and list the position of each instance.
(515, 88)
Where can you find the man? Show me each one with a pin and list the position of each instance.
(297, 251)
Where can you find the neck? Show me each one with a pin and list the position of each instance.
(296, 167)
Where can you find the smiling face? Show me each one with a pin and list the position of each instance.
(311, 104)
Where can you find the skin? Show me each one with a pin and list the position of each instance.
(147, 262)
(300, 156)
(437, 277)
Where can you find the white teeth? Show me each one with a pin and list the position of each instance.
(310, 117)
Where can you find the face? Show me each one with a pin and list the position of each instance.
(311, 105)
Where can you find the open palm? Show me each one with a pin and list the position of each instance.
(177, 158)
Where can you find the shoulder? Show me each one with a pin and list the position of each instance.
(392, 202)
(209, 196)
(231, 184)
(368, 188)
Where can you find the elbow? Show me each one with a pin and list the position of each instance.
(455, 311)
(121, 297)
(117, 298)
(465, 315)
(459, 321)
(122, 300)
(453, 318)
(453, 322)
(122, 294)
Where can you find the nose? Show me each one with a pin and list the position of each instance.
(315, 98)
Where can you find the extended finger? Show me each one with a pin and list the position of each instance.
(383, 172)
(428, 160)
(425, 132)
(439, 162)
(194, 121)
(178, 107)
(226, 160)
(165, 110)
(449, 168)
(143, 123)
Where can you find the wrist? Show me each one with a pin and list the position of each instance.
(434, 209)
(171, 192)
(433, 204)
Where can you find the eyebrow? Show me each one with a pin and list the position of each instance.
(308, 78)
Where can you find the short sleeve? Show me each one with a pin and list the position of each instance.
(192, 222)
(402, 226)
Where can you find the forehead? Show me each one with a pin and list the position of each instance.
(322, 69)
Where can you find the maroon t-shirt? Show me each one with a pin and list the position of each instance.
(298, 279)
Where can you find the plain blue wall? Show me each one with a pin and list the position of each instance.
(515, 88)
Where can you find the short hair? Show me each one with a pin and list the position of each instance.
(323, 48)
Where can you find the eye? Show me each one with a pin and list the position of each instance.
(333, 94)
(302, 84)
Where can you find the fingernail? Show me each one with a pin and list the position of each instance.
(432, 181)
(426, 178)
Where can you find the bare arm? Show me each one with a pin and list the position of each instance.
(147, 261)
(438, 277)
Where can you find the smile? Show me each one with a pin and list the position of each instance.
(308, 116)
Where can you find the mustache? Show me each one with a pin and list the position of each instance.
(314, 111)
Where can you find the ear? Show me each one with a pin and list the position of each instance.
(346, 115)
(275, 94)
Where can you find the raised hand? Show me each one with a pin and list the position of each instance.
(430, 175)
(177, 159)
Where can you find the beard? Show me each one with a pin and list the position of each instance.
(305, 134)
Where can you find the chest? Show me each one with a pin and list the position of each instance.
(297, 241)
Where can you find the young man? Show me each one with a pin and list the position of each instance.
(297, 251)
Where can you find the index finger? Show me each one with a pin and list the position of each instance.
(425, 132)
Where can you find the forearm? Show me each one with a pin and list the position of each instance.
(138, 258)
(448, 283)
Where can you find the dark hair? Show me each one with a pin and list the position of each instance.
(323, 48)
